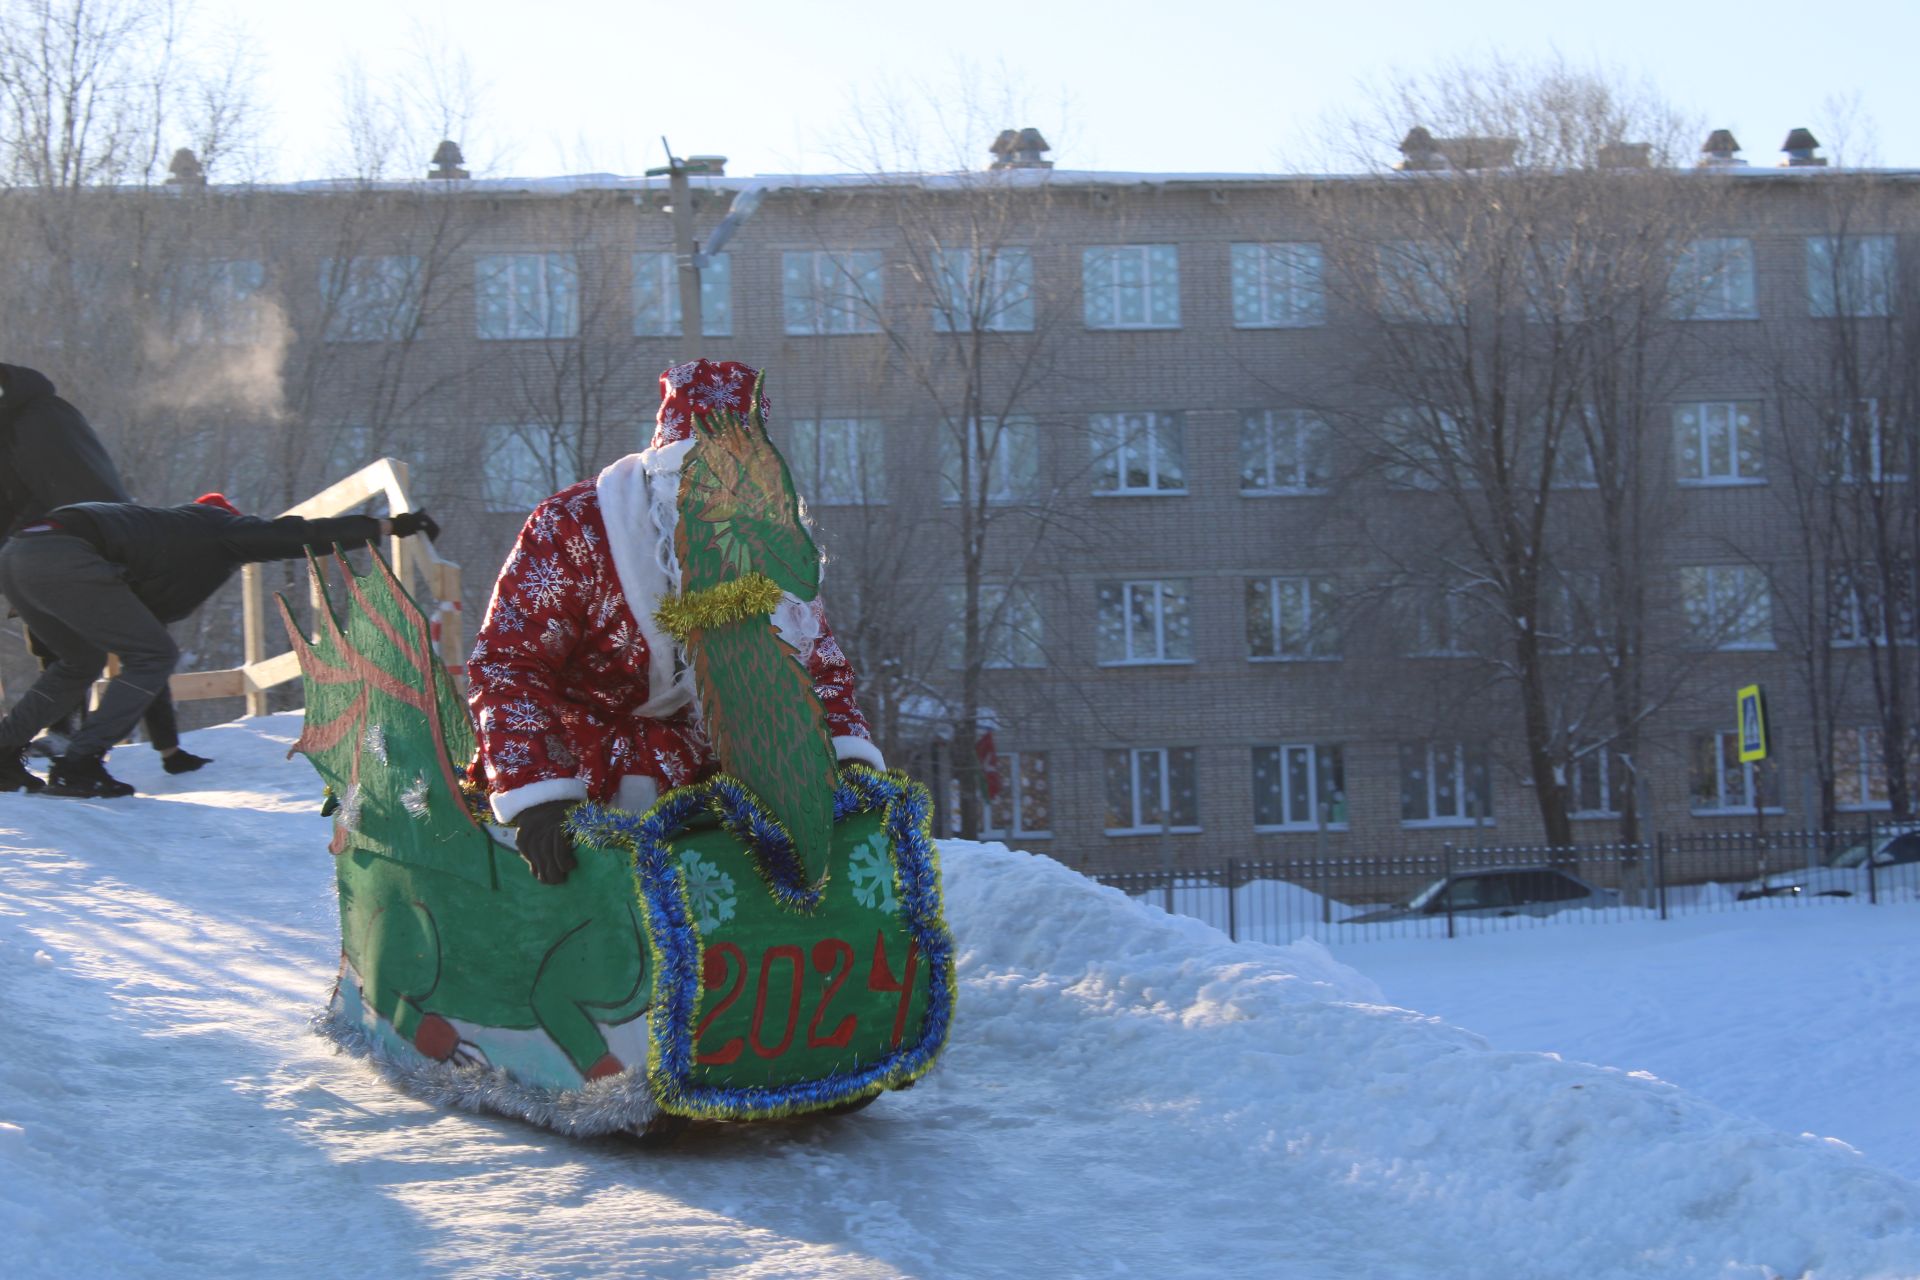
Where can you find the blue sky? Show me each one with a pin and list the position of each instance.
(1236, 85)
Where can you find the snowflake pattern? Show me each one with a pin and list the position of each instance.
(494, 674)
(606, 607)
(511, 755)
(524, 716)
(543, 523)
(710, 891)
(545, 583)
(871, 872)
(507, 614)
(558, 637)
(579, 550)
(708, 396)
(681, 374)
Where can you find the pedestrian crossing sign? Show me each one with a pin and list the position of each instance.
(1752, 706)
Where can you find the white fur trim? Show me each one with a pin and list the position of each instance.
(508, 805)
(636, 793)
(646, 570)
(848, 747)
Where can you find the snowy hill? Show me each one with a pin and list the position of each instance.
(1126, 1094)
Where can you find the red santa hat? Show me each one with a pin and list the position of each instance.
(217, 500)
(701, 387)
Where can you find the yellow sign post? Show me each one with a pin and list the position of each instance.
(1751, 705)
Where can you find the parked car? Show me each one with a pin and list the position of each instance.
(1896, 861)
(1495, 892)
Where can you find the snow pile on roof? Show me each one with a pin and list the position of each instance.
(1125, 1093)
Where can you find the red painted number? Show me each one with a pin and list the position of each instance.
(880, 978)
(831, 956)
(797, 967)
(715, 974)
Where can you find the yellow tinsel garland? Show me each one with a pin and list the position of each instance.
(754, 595)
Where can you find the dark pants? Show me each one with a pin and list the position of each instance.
(80, 607)
(163, 725)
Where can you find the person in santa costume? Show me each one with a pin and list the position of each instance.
(577, 692)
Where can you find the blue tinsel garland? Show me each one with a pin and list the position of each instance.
(675, 944)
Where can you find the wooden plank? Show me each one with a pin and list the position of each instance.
(276, 670)
(188, 686)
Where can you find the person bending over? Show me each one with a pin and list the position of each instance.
(96, 578)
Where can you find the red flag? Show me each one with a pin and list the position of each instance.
(989, 765)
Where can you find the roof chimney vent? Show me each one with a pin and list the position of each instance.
(185, 170)
(1801, 147)
(1020, 149)
(1626, 155)
(447, 161)
(1420, 152)
(1720, 151)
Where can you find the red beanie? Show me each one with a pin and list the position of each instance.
(217, 500)
(700, 387)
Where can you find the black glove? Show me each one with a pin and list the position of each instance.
(543, 841)
(408, 523)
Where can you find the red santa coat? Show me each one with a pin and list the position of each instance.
(576, 691)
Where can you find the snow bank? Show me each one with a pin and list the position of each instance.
(1126, 1093)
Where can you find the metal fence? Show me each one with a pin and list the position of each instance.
(1462, 891)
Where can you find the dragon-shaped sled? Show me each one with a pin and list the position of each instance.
(699, 963)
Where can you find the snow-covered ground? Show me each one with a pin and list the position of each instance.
(1126, 1093)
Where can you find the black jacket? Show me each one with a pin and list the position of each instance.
(49, 456)
(175, 557)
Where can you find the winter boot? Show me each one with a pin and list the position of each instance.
(86, 777)
(14, 774)
(183, 761)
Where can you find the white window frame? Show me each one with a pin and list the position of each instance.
(1727, 745)
(1013, 783)
(656, 306)
(1119, 438)
(1268, 437)
(1868, 762)
(1010, 615)
(1602, 762)
(845, 291)
(1713, 279)
(371, 297)
(1318, 756)
(1714, 597)
(1100, 272)
(1016, 438)
(1277, 285)
(553, 279)
(1164, 592)
(1449, 607)
(1312, 597)
(1462, 760)
(862, 440)
(998, 300)
(1167, 755)
(1731, 419)
(1848, 627)
(1876, 425)
(1853, 270)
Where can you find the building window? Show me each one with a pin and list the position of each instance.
(1442, 619)
(838, 291)
(656, 296)
(370, 299)
(1721, 784)
(1426, 449)
(1146, 620)
(1718, 442)
(1850, 275)
(525, 465)
(1019, 797)
(1131, 286)
(1860, 768)
(1138, 453)
(1003, 456)
(1727, 606)
(1297, 787)
(1865, 450)
(1444, 784)
(215, 303)
(1278, 286)
(1856, 601)
(1419, 283)
(839, 462)
(1291, 619)
(1713, 280)
(1573, 464)
(527, 295)
(1009, 627)
(1596, 783)
(995, 297)
(1151, 788)
(1284, 451)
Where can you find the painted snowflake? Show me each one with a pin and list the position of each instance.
(579, 549)
(707, 397)
(545, 583)
(578, 504)
(710, 891)
(681, 374)
(605, 608)
(871, 872)
(495, 673)
(524, 716)
(624, 640)
(512, 756)
(507, 614)
(544, 523)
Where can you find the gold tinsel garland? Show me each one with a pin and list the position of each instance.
(751, 596)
